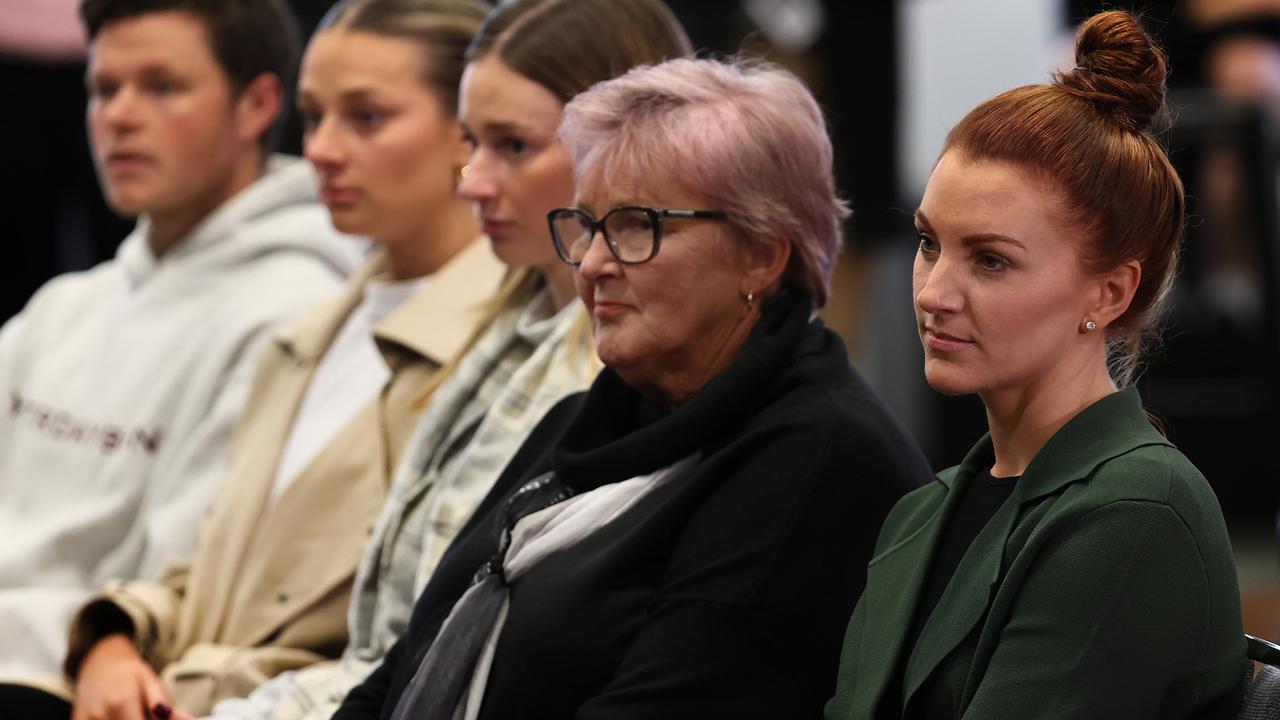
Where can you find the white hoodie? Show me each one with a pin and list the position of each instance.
(121, 386)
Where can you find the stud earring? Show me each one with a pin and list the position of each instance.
(750, 297)
(1090, 326)
(461, 175)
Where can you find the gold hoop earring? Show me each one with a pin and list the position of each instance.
(461, 175)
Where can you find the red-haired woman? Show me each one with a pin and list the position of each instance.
(1075, 564)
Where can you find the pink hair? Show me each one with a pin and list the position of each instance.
(747, 137)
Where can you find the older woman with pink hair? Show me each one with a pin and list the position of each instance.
(687, 537)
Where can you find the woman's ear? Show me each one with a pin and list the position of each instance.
(1115, 291)
(764, 263)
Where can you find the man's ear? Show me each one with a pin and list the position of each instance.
(258, 106)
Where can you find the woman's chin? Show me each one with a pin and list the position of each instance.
(624, 358)
(947, 381)
(513, 249)
(609, 353)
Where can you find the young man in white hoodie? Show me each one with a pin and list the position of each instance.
(123, 383)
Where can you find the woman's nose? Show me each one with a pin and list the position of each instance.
(321, 146)
(598, 261)
(937, 287)
(479, 180)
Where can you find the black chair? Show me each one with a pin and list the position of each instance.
(1262, 698)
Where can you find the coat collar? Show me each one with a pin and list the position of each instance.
(306, 339)
(434, 323)
(895, 580)
(437, 321)
(964, 601)
(1110, 427)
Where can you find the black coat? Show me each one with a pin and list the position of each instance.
(722, 593)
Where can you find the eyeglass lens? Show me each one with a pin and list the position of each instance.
(629, 231)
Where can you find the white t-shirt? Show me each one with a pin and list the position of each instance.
(351, 374)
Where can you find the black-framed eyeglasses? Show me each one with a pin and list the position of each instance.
(632, 232)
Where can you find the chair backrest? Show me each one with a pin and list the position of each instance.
(1262, 698)
(1263, 651)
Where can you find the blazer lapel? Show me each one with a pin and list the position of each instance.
(965, 601)
(282, 378)
(895, 579)
(442, 314)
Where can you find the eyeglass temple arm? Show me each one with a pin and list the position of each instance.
(692, 213)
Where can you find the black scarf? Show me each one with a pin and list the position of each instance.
(617, 434)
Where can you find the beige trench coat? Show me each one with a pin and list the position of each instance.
(267, 587)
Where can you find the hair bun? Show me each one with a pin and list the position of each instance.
(1119, 68)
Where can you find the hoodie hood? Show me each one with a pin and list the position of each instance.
(264, 218)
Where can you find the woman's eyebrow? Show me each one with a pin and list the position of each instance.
(973, 239)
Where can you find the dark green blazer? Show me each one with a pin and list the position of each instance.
(1104, 588)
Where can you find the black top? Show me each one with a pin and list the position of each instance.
(723, 592)
(980, 500)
